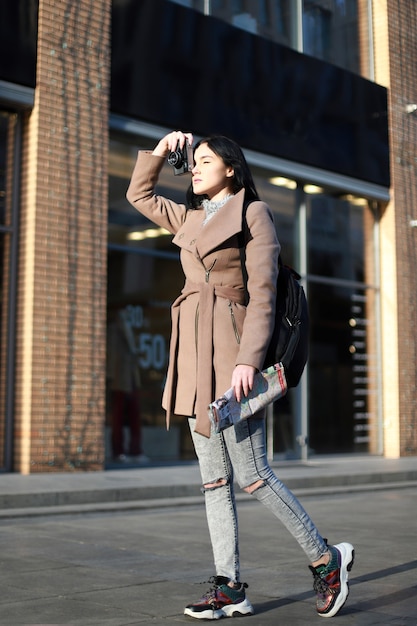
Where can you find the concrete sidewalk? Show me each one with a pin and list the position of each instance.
(149, 486)
(141, 567)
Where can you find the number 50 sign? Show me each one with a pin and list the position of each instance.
(151, 351)
(149, 347)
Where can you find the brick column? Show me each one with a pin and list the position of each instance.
(60, 392)
(394, 53)
(402, 23)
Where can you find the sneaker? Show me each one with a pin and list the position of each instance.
(120, 458)
(331, 581)
(221, 601)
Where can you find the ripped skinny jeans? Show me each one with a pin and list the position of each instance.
(239, 454)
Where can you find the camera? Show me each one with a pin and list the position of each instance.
(182, 159)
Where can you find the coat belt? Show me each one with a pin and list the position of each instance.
(204, 392)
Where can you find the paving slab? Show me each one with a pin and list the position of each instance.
(141, 567)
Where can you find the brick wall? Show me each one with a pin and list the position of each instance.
(60, 390)
(395, 39)
(402, 24)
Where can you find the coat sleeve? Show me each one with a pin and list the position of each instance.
(141, 194)
(262, 250)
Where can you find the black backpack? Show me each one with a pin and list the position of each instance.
(289, 341)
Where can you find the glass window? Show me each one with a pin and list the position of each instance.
(316, 30)
(343, 370)
(343, 363)
(185, 3)
(268, 18)
(144, 278)
(279, 194)
(336, 238)
(330, 27)
(330, 32)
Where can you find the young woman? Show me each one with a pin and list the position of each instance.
(218, 342)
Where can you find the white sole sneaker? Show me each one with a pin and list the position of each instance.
(228, 610)
(347, 557)
(243, 608)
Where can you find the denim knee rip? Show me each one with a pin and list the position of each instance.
(261, 486)
(216, 484)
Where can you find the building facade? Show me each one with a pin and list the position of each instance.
(322, 98)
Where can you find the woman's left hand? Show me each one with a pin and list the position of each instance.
(242, 380)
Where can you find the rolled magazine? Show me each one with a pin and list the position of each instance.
(268, 386)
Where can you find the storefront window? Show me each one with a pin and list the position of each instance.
(336, 239)
(343, 364)
(280, 195)
(145, 277)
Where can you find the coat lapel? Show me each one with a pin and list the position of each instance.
(201, 239)
(186, 236)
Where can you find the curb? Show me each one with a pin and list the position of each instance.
(129, 499)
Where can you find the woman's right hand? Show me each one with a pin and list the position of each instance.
(169, 143)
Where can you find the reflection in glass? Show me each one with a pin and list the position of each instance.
(343, 366)
(330, 32)
(336, 238)
(329, 27)
(145, 277)
(282, 201)
(343, 370)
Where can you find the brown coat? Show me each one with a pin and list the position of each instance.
(212, 329)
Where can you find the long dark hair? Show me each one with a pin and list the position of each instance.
(232, 155)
